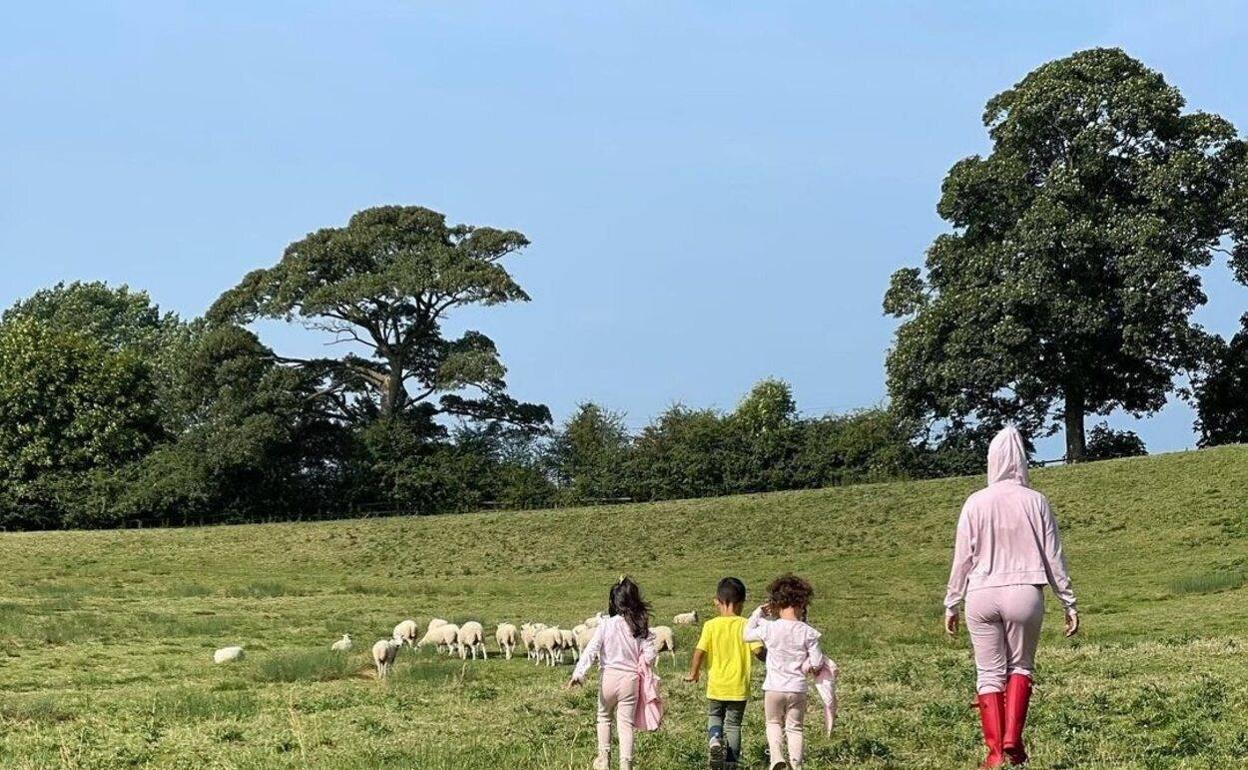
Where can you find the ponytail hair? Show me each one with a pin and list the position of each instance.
(625, 599)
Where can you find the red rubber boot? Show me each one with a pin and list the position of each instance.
(1017, 698)
(992, 719)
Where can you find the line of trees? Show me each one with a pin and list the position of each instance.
(1065, 289)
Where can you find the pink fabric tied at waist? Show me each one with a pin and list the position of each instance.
(649, 714)
(825, 684)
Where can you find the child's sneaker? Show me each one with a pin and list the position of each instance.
(715, 753)
(602, 761)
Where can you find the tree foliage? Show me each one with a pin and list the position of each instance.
(1069, 280)
(1221, 392)
(386, 284)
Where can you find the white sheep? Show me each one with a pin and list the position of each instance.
(227, 655)
(583, 634)
(406, 633)
(686, 619)
(384, 653)
(567, 641)
(549, 642)
(594, 621)
(528, 637)
(506, 635)
(664, 641)
(342, 645)
(435, 622)
(471, 638)
(443, 636)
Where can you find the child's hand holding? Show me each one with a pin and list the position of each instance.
(573, 683)
(692, 678)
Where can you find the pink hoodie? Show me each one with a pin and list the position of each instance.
(1007, 534)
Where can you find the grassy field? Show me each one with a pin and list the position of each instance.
(107, 637)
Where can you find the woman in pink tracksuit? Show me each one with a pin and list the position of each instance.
(1007, 550)
(622, 644)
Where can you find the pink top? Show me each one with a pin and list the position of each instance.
(1007, 534)
(614, 646)
(792, 651)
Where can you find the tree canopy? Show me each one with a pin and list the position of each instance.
(1068, 282)
(385, 284)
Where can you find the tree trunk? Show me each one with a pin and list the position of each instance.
(392, 395)
(1076, 446)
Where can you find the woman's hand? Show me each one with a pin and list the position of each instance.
(951, 623)
(1072, 623)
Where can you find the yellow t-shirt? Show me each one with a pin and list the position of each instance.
(727, 658)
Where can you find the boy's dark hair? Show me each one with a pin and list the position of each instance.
(625, 599)
(731, 591)
(789, 590)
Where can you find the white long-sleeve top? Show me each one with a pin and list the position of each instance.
(792, 651)
(614, 646)
(1007, 534)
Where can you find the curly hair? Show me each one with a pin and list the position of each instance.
(789, 590)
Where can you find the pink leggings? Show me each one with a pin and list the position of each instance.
(1004, 623)
(617, 693)
(786, 714)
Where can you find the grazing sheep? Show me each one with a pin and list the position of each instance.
(567, 641)
(443, 636)
(506, 635)
(406, 633)
(664, 641)
(549, 644)
(384, 653)
(583, 634)
(594, 621)
(471, 637)
(435, 622)
(528, 637)
(342, 645)
(227, 655)
(686, 619)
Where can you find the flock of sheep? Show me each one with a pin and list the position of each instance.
(541, 643)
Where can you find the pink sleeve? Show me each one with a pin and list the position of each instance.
(814, 655)
(963, 562)
(755, 627)
(1055, 561)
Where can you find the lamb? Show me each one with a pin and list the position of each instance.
(471, 637)
(549, 643)
(664, 641)
(435, 622)
(594, 621)
(406, 633)
(686, 619)
(506, 635)
(227, 655)
(384, 653)
(342, 645)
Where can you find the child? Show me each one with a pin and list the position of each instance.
(792, 652)
(727, 654)
(622, 643)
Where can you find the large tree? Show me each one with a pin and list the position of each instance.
(385, 283)
(1069, 280)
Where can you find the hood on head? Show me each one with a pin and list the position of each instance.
(1007, 457)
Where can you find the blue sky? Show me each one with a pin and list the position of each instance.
(716, 192)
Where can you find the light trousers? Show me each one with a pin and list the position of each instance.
(786, 716)
(1004, 623)
(617, 695)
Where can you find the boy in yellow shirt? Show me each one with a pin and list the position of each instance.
(728, 656)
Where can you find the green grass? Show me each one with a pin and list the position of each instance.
(106, 638)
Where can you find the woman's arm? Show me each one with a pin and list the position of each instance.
(963, 563)
(1055, 562)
